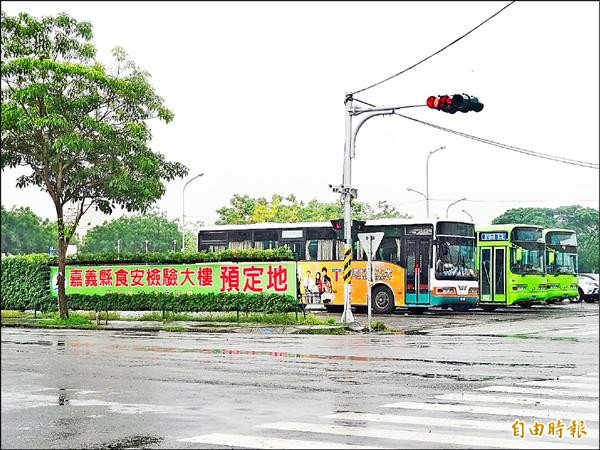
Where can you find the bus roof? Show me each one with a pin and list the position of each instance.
(324, 224)
(504, 227)
(557, 230)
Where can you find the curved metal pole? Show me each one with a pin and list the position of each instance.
(183, 211)
(470, 216)
(427, 177)
(454, 203)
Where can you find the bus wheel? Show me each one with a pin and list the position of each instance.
(488, 308)
(524, 304)
(460, 308)
(382, 300)
(578, 298)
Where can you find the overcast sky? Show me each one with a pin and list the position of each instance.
(257, 89)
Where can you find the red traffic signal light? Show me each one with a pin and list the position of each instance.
(451, 104)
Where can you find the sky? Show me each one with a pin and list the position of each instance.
(258, 88)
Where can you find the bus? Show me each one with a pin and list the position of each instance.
(419, 263)
(561, 264)
(510, 262)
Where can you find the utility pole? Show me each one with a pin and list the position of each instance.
(349, 193)
(183, 211)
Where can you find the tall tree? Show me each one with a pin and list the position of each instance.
(584, 221)
(134, 234)
(80, 128)
(25, 232)
(245, 209)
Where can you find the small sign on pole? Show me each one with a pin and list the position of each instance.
(370, 243)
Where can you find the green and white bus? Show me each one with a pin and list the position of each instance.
(510, 261)
(561, 264)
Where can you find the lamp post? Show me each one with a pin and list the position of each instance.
(183, 211)
(427, 177)
(470, 216)
(454, 203)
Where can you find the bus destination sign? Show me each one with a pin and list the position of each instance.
(497, 236)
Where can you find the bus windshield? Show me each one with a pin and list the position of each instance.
(564, 263)
(455, 258)
(527, 258)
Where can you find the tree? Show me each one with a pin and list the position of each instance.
(80, 128)
(245, 210)
(132, 233)
(584, 221)
(24, 232)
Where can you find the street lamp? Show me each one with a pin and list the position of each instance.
(427, 177)
(454, 203)
(183, 212)
(470, 216)
(418, 192)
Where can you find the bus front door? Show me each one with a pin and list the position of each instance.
(417, 272)
(492, 274)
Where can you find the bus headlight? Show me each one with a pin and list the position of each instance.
(543, 287)
(473, 290)
(519, 287)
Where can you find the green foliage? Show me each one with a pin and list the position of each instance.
(82, 129)
(278, 254)
(245, 210)
(24, 232)
(26, 282)
(74, 320)
(132, 232)
(584, 221)
(222, 301)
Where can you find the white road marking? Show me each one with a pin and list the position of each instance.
(555, 392)
(519, 400)
(561, 384)
(500, 411)
(435, 422)
(579, 378)
(238, 440)
(407, 435)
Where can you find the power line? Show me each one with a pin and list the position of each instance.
(513, 148)
(433, 54)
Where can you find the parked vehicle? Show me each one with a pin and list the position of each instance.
(587, 287)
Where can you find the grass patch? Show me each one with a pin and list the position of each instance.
(379, 326)
(73, 321)
(339, 330)
(12, 314)
(269, 319)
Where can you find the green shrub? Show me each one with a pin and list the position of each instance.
(25, 282)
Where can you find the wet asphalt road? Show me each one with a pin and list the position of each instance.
(102, 389)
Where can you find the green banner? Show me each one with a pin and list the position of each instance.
(248, 277)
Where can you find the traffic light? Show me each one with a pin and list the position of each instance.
(451, 104)
(338, 226)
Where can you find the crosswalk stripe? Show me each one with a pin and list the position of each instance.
(585, 333)
(434, 422)
(519, 400)
(537, 391)
(501, 411)
(238, 440)
(558, 383)
(407, 435)
(579, 378)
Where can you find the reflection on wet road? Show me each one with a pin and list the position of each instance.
(452, 381)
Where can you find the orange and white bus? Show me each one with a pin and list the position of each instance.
(419, 263)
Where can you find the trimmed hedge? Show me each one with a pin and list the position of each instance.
(278, 254)
(267, 303)
(26, 284)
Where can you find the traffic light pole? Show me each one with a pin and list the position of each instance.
(349, 193)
